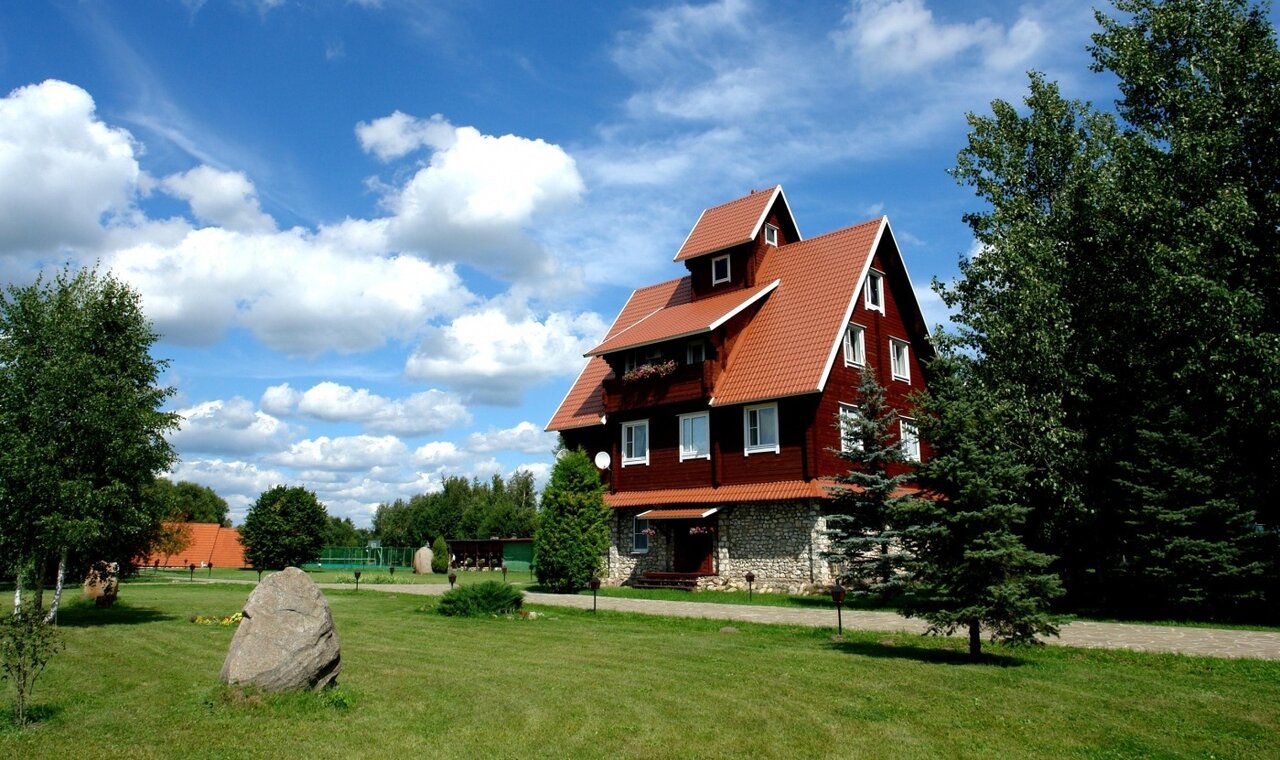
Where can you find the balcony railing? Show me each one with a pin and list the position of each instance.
(690, 382)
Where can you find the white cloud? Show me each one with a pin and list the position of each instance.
(61, 169)
(525, 437)
(425, 412)
(227, 199)
(299, 292)
(346, 453)
(494, 356)
(439, 454)
(399, 134)
(240, 483)
(231, 426)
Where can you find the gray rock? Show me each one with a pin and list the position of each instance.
(286, 640)
(422, 560)
(728, 629)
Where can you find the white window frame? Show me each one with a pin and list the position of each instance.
(629, 361)
(639, 524)
(878, 303)
(901, 366)
(848, 415)
(771, 235)
(909, 434)
(635, 460)
(728, 272)
(685, 454)
(688, 351)
(759, 448)
(855, 348)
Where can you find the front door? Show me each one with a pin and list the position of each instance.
(694, 543)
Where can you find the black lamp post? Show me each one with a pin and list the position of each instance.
(210, 569)
(357, 573)
(594, 583)
(504, 572)
(453, 578)
(192, 568)
(837, 596)
(259, 574)
(392, 569)
(751, 578)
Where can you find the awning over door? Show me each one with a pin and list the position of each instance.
(677, 514)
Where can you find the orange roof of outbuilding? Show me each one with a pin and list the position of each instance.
(686, 319)
(210, 544)
(784, 490)
(729, 224)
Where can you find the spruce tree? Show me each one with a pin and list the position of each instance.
(860, 524)
(573, 530)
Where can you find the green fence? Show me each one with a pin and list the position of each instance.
(364, 556)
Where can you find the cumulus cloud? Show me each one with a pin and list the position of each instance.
(425, 412)
(345, 453)
(525, 437)
(494, 356)
(62, 170)
(233, 426)
(299, 292)
(240, 483)
(223, 198)
(400, 134)
(895, 37)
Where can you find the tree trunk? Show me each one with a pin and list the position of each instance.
(57, 592)
(975, 640)
(17, 593)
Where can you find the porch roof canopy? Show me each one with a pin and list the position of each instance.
(677, 514)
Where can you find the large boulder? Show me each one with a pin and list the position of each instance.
(102, 583)
(422, 560)
(286, 640)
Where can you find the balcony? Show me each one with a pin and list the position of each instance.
(690, 382)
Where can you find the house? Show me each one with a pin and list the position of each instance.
(211, 544)
(712, 405)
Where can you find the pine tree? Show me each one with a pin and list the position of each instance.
(863, 541)
(573, 530)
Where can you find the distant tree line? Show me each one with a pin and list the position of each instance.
(461, 509)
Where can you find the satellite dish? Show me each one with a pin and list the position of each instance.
(602, 460)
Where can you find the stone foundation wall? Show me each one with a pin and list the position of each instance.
(780, 542)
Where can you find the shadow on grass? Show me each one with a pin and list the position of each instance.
(940, 656)
(87, 615)
(36, 714)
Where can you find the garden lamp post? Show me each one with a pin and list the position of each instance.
(192, 568)
(504, 572)
(751, 578)
(259, 574)
(594, 583)
(453, 578)
(837, 596)
(210, 569)
(357, 573)
(392, 569)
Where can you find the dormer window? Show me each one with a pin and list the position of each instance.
(771, 235)
(875, 291)
(720, 269)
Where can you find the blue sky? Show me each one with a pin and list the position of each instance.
(377, 235)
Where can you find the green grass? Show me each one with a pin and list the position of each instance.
(140, 681)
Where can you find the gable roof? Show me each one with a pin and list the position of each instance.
(729, 224)
(693, 318)
(210, 544)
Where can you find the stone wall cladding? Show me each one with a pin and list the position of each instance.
(780, 542)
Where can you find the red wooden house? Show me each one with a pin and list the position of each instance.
(713, 403)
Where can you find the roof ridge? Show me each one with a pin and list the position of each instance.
(751, 194)
(850, 228)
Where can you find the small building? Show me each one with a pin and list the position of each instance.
(491, 554)
(211, 544)
(713, 404)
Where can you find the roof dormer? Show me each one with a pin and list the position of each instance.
(725, 248)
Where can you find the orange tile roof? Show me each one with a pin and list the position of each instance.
(729, 224)
(210, 543)
(583, 405)
(677, 514)
(784, 490)
(788, 346)
(687, 319)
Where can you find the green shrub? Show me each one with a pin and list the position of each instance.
(481, 600)
(439, 555)
(27, 643)
(573, 527)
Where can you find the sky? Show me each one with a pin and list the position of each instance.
(375, 237)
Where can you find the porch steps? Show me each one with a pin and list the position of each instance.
(654, 579)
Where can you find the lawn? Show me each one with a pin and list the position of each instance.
(140, 680)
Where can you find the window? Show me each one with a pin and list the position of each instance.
(719, 269)
(900, 355)
(635, 442)
(629, 361)
(855, 347)
(910, 435)
(640, 537)
(850, 428)
(695, 436)
(695, 352)
(771, 234)
(875, 291)
(760, 429)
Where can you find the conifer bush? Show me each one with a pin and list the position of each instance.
(439, 555)
(573, 529)
(481, 600)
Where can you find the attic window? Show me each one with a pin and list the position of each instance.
(720, 269)
(875, 291)
(771, 235)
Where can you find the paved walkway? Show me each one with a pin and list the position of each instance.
(1209, 642)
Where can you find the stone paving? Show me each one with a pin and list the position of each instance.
(1209, 642)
